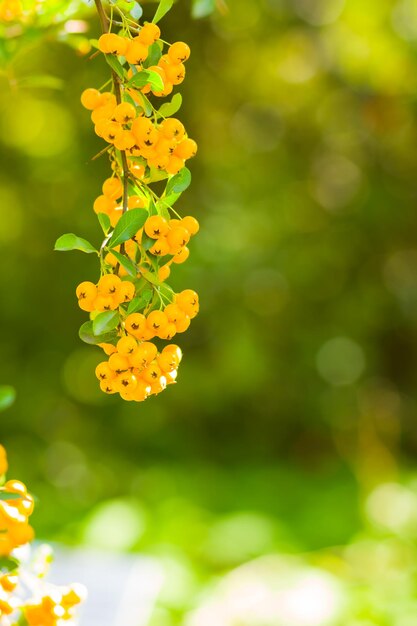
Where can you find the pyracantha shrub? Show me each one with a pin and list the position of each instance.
(132, 308)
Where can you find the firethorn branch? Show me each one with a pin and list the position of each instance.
(132, 309)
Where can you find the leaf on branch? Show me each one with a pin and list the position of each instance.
(151, 278)
(105, 322)
(140, 302)
(170, 108)
(126, 263)
(69, 241)
(115, 65)
(7, 396)
(163, 8)
(87, 335)
(179, 183)
(145, 77)
(104, 220)
(127, 226)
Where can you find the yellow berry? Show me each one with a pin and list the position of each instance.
(190, 224)
(108, 285)
(118, 362)
(126, 346)
(179, 52)
(149, 33)
(90, 98)
(86, 291)
(124, 113)
(186, 149)
(156, 226)
(113, 188)
(126, 291)
(135, 323)
(104, 371)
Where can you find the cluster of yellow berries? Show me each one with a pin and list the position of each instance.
(10, 10)
(136, 370)
(51, 608)
(131, 304)
(159, 144)
(107, 295)
(14, 517)
(25, 598)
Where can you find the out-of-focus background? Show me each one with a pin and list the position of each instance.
(277, 482)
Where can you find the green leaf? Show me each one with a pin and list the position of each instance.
(140, 302)
(180, 182)
(116, 66)
(127, 263)
(105, 322)
(147, 106)
(202, 8)
(170, 108)
(104, 220)
(167, 201)
(127, 226)
(7, 396)
(154, 54)
(8, 564)
(163, 8)
(72, 242)
(87, 335)
(137, 11)
(8, 495)
(151, 278)
(145, 77)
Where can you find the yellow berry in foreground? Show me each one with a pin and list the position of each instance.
(172, 128)
(124, 113)
(156, 226)
(86, 291)
(172, 347)
(108, 285)
(108, 386)
(152, 373)
(190, 224)
(182, 255)
(90, 98)
(135, 323)
(179, 52)
(186, 149)
(126, 291)
(144, 355)
(104, 371)
(113, 188)
(136, 52)
(126, 382)
(118, 363)
(164, 272)
(149, 33)
(156, 321)
(126, 346)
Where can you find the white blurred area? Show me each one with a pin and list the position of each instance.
(122, 588)
(272, 591)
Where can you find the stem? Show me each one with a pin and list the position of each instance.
(117, 91)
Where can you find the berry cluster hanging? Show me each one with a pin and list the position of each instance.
(131, 303)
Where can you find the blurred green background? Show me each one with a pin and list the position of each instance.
(277, 482)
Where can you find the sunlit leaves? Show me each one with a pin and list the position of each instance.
(69, 241)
